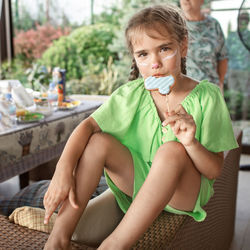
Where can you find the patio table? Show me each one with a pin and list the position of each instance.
(27, 146)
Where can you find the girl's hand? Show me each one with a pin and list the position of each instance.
(182, 124)
(62, 186)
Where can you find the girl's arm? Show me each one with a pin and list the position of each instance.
(208, 163)
(62, 184)
(77, 143)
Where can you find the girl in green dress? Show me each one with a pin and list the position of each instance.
(154, 158)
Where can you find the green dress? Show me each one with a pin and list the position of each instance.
(131, 117)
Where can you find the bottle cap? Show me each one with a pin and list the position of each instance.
(52, 85)
(8, 96)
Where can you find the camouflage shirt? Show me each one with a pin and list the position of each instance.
(206, 48)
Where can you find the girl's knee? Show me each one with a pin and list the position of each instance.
(173, 153)
(173, 148)
(100, 141)
(97, 138)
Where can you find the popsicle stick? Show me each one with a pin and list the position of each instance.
(168, 109)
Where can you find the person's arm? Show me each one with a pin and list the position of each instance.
(207, 163)
(62, 184)
(221, 53)
(77, 143)
(222, 70)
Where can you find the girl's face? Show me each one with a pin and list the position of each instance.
(158, 55)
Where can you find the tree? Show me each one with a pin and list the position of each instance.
(22, 20)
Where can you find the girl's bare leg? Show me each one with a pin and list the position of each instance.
(172, 180)
(101, 150)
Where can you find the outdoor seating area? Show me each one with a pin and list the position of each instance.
(124, 124)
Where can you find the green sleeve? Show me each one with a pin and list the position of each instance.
(216, 129)
(116, 114)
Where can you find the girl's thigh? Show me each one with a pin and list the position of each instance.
(118, 160)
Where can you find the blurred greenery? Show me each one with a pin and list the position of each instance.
(103, 83)
(36, 77)
(234, 100)
(14, 70)
(95, 56)
(50, 12)
(85, 51)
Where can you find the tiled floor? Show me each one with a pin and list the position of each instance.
(241, 239)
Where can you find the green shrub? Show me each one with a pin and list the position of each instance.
(85, 46)
(103, 83)
(234, 100)
(14, 70)
(33, 77)
(27, 47)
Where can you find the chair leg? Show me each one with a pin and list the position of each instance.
(24, 180)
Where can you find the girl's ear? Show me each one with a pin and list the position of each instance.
(184, 47)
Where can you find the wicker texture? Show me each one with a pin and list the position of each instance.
(162, 232)
(216, 232)
(13, 237)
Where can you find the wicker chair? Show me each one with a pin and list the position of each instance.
(169, 231)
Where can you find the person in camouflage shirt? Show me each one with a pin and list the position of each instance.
(207, 54)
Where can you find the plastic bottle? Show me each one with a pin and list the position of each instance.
(59, 76)
(11, 108)
(52, 94)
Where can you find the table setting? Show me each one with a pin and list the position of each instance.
(35, 125)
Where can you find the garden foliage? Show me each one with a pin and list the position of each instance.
(85, 51)
(95, 56)
(30, 45)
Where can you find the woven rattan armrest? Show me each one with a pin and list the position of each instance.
(161, 233)
(13, 236)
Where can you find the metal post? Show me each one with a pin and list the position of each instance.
(6, 39)
(8, 28)
(92, 11)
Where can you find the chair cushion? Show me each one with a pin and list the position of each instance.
(32, 218)
(33, 194)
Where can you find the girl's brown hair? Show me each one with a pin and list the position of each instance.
(157, 18)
